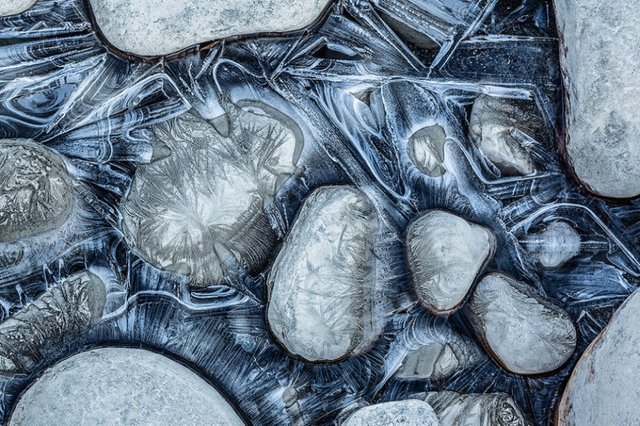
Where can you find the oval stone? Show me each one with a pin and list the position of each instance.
(445, 253)
(122, 386)
(321, 285)
(604, 388)
(411, 412)
(36, 191)
(526, 333)
(13, 7)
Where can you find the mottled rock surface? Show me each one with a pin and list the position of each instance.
(36, 193)
(493, 409)
(526, 333)
(12, 7)
(121, 386)
(555, 245)
(445, 253)
(411, 412)
(200, 210)
(494, 126)
(321, 285)
(162, 27)
(604, 387)
(64, 312)
(601, 64)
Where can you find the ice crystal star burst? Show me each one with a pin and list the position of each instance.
(200, 208)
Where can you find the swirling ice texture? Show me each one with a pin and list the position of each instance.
(358, 90)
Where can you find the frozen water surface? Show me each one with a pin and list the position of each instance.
(180, 185)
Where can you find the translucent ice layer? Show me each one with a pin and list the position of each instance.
(199, 210)
(526, 333)
(445, 253)
(321, 284)
(172, 25)
(122, 386)
(554, 246)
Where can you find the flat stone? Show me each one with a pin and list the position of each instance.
(199, 211)
(445, 253)
(162, 27)
(36, 191)
(555, 245)
(13, 7)
(62, 313)
(604, 387)
(493, 409)
(411, 412)
(321, 284)
(493, 126)
(601, 67)
(526, 333)
(122, 386)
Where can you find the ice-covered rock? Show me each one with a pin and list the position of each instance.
(122, 386)
(434, 361)
(411, 412)
(492, 409)
(12, 7)
(526, 333)
(162, 27)
(64, 312)
(601, 66)
(604, 388)
(445, 253)
(555, 245)
(36, 191)
(321, 286)
(199, 210)
(493, 124)
(426, 150)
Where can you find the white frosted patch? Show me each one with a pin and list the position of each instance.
(526, 333)
(445, 254)
(162, 27)
(122, 386)
(601, 65)
(411, 412)
(321, 283)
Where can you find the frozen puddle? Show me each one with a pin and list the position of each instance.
(122, 386)
(321, 285)
(156, 28)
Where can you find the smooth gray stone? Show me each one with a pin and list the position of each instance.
(434, 361)
(445, 253)
(13, 7)
(36, 191)
(493, 126)
(411, 412)
(493, 409)
(604, 388)
(601, 68)
(526, 333)
(122, 386)
(162, 27)
(63, 312)
(426, 150)
(321, 285)
(199, 211)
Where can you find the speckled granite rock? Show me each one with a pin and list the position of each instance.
(120, 386)
(601, 64)
(411, 412)
(321, 283)
(162, 27)
(604, 387)
(445, 253)
(526, 333)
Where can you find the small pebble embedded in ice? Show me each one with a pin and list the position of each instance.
(555, 245)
